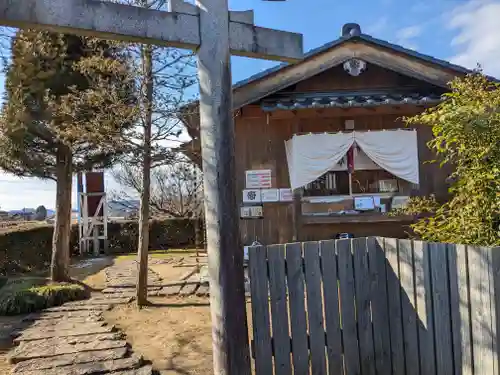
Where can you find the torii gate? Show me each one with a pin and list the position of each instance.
(215, 33)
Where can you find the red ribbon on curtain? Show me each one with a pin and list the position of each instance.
(350, 159)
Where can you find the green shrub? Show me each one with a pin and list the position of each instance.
(26, 296)
(28, 248)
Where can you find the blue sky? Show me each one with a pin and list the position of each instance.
(462, 31)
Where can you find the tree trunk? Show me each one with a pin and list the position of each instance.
(142, 252)
(62, 227)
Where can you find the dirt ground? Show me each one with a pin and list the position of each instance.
(175, 334)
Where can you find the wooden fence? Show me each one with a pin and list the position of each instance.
(375, 306)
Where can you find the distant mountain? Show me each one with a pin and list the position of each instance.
(123, 207)
(22, 211)
(116, 208)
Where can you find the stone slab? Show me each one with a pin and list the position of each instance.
(203, 290)
(55, 324)
(172, 290)
(101, 301)
(146, 370)
(123, 292)
(67, 322)
(82, 330)
(124, 364)
(69, 359)
(64, 315)
(188, 289)
(47, 348)
(65, 308)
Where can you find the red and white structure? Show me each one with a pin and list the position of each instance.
(92, 213)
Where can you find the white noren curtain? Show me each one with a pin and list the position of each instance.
(393, 150)
(312, 155)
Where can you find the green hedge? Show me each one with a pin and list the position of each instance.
(26, 249)
(29, 296)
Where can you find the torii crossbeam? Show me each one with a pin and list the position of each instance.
(215, 33)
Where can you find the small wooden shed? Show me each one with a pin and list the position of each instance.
(321, 148)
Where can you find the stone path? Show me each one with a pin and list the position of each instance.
(73, 339)
(121, 280)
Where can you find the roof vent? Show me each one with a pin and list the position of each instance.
(351, 29)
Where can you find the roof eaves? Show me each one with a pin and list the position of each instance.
(363, 37)
(276, 68)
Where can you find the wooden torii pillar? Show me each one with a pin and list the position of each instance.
(215, 33)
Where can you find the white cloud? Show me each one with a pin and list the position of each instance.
(409, 32)
(406, 36)
(377, 28)
(477, 39)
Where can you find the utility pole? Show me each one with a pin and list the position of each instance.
(215, 32)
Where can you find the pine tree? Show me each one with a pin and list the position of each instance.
(68, 102)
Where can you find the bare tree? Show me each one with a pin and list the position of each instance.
(176, 189)
(164, 76)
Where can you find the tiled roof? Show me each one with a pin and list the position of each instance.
(347, 100)
(362, 37)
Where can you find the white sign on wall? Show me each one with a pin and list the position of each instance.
(364, 203)
(270, 195)
(286, 195)
(258, 179)
(251, 196)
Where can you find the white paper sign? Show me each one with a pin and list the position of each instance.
(270, 195)
(251, 196)
(286, 195)
(258, 179)
(364, 203)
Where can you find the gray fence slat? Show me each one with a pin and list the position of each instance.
(315, 307)
(424, 307)
(479, 283)
(495, 259)
(332, 314)
(295, 279)
(260, 310)
(441, 303)
(460, 309)
(380, 316)
(348, 318)
(279, 310)
(363, 309)
(410, 319)
(394, 303)
(493, 312)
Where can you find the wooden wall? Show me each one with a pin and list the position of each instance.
(260, 144)
(374, 77)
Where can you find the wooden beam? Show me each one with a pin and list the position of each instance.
(357, 219)
(225, 265)
(259, 42)
(103, 20)
(109, 20)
